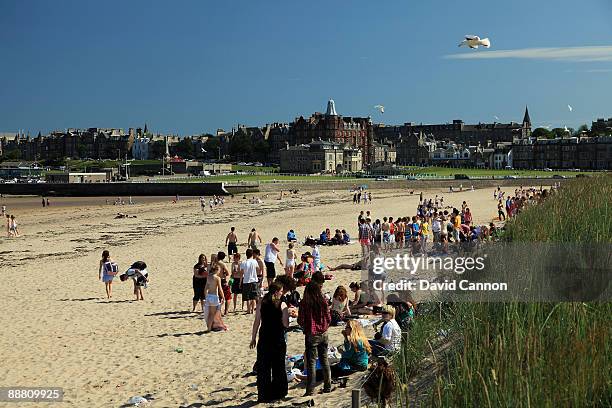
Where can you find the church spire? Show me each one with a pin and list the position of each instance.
(146, 129)
(526, 118)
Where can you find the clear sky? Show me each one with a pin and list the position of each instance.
(189, 67)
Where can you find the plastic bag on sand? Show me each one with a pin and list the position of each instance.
(137, 400)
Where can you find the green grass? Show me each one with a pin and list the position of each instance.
(83, 164)
(473, 172)
(264, 178)
(538, 354)
(265, 169)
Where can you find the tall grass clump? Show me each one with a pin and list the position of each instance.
(539, 354)
(525, 354)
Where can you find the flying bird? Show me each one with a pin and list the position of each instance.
(474, 41)
(203, 151)
(380, 108)
(570, 108)
(495, 116)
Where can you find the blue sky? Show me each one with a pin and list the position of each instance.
(188, 67)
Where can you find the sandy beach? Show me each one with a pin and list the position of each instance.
(60, 330)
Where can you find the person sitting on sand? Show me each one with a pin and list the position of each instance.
(291, 237)
(361, 303)
(214, 298)
(337, 239)
(340, 305)
(323, 238)
(389, 339)
(346, 238)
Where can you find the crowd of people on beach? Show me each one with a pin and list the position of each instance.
(228, 278)
(213, 202)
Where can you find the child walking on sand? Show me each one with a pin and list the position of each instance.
(107, 270)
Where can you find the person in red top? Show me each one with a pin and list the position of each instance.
(314, 317)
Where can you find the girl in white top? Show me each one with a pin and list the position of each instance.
(290, 265)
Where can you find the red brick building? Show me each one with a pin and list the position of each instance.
(353, 131)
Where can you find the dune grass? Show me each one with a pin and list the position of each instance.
(532, 354)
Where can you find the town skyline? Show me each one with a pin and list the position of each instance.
(195, 67)
(213, 130)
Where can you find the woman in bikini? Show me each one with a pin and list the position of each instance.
(290, 265)
(214, 298)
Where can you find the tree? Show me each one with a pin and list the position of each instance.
(582, 128)
(12, 154)
(561, 132)
(212, 146)
(262, 149)
(542, 133)
(185, 148)
(241, 146)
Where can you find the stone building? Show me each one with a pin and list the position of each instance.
(415, 149)
(320, 156)
(353, 131)
(383, 153)
(601, 127)
(459, 132)
(588, 153)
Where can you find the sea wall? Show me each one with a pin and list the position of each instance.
(125, 189)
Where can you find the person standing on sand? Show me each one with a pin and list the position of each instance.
(232, 241)
(260, 272)
(200, 273)
(291, 257)
(271, 320)
(43, 202)
(365, 238)
(270, 257)
(3, 210)
(106, 272)
(13, 230)
(249, 282)
(47, 202)
(314, 318)
(236, 276)
(224, 274)
(214, 299)
(253, 238)
(8, 226)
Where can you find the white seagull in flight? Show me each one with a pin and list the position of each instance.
(474, 41)
(380, 108)
(570, 108)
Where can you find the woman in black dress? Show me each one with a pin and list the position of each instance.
(271, 320)
(200, 273)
